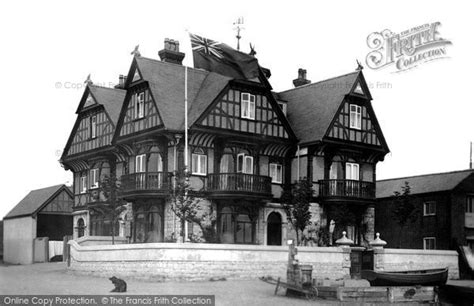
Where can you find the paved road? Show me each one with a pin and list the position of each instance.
(53, 278)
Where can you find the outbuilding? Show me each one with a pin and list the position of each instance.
(45, 212)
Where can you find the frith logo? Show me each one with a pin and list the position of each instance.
(407, 49)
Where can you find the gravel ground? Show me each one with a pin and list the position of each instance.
(54, 278)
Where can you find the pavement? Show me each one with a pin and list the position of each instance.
(54, 278)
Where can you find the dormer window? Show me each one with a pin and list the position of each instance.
(355, 116)
(93, 125)
(139, 105)
(248, 106)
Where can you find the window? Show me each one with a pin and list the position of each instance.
(355, 119)
(94, 178)
(93, 126)
(244, 229)
(429, 208)
(429, 243)
(139, 105)
(283, 107)
(199, 163)
(470, 204)
(83, 184)
(140, 163)
(276, 171)
(248, 106)
(352, 171)
(244, 163)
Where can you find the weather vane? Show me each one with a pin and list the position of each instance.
(239, 26)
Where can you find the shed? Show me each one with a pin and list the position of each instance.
(45, 212)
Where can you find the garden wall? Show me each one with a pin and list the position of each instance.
(416, 259)
(194, 261)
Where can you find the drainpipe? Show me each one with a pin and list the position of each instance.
(298, 170)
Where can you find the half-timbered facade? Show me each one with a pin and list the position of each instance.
(340, 144)
(246, 145)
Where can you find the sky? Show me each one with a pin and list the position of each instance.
(49, 47)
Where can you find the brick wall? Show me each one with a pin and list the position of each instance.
(438, 225)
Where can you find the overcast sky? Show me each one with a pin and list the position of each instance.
(49, 47)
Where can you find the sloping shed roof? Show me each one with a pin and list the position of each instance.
(423, 183)
(167, 82)
(35, 200)
(312, 107)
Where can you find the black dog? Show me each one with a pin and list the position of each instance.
(120, 284)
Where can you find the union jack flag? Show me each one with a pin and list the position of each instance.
(208, 46)
(218, 57)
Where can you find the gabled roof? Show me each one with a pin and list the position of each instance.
(167, 82)
(311, 108)
(36, 200)
(110, 98)
(423, 183)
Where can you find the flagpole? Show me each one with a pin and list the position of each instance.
(186, 119)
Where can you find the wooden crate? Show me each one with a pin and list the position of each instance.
(412, 294)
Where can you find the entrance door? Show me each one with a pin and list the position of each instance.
(274, 229)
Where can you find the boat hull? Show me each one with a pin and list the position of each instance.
(434, 277)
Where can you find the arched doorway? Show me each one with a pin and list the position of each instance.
(274, 229)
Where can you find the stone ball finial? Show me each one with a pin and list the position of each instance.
(344, 241)
(378, 243)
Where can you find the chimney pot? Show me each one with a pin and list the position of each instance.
(301, 80)
(171, 53)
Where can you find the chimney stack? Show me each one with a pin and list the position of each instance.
(170, 53)
(122, 80)
(301, 80)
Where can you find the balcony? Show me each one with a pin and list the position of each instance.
(346, 190)
(228, 185)
(145, 184)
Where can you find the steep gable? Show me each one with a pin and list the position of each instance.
(99, 106)
(311, 108)
(227, 113)
(369, 131)
(136, 119)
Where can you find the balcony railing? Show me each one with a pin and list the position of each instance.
(145, 181)
(239, 183)
(346, 189)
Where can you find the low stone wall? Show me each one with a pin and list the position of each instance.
(411, 259)
(100, 240)
(171, 261)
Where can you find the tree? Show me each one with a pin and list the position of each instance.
(188, 208)
(404, 211)
(296, 204)
(110, 204)
(183, 203)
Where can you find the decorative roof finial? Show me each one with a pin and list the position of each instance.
(252, 50)
(88, 81)
(359, 66)
(135, 51)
